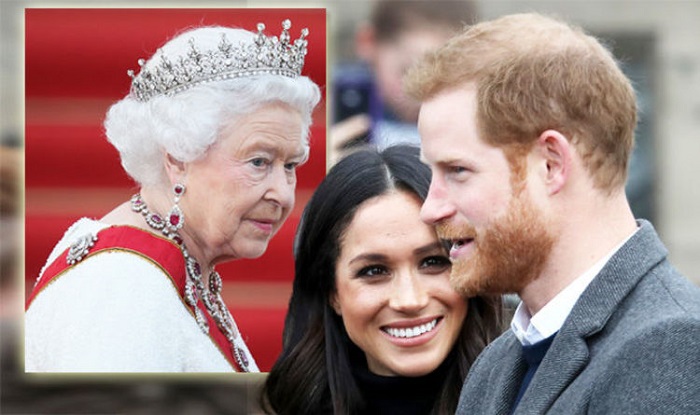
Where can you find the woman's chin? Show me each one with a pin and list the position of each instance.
(413, 366)
(409, 371)
(253, 251)
(413, 371)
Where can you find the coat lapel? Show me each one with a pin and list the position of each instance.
(569, 353)
(507, 373)
(566, 358)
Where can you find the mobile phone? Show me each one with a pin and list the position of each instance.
(355, 93)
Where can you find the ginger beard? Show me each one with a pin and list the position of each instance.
(508, 254)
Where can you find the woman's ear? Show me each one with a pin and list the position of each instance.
(175, 169)
(556, 153)
(334, 303)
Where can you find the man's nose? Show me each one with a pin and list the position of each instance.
(436, 206)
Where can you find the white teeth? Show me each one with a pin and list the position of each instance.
(411, 331)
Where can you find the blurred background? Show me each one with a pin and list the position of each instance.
(655, 41)
(41, 127)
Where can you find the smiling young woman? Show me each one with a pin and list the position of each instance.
(374, 324)
(393, 290)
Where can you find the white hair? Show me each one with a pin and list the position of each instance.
(188, 123)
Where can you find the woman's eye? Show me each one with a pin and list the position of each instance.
(437, 262)
(259, 162)
(372, 271)
(291, 166)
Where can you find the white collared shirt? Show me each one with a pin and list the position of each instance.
(533, 329)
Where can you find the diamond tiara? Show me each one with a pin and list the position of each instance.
(265, 55)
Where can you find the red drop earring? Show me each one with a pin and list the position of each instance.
(175, 219)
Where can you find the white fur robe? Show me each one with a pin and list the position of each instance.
(115, 311)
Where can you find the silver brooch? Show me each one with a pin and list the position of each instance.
(80, 248)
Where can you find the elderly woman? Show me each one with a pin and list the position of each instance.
(213, 128)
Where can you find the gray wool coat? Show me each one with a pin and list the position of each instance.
(631, 345)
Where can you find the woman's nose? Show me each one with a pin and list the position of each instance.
(282, 187)
(408, 293)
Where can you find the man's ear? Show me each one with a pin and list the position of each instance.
(174, 168)
(556, 153)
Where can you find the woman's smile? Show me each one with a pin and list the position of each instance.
(412, 333)
(393, 290)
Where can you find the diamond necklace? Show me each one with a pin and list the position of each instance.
(195, 288)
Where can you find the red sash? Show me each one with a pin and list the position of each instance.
(163, 252)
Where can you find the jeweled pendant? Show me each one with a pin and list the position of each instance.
(175, 219)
